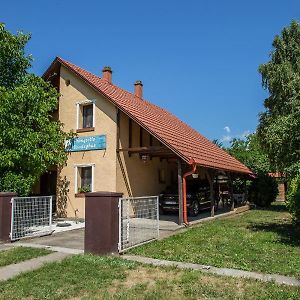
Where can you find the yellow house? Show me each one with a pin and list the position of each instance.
(124, 143)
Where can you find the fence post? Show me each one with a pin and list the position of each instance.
(5, 215)
(101, 222)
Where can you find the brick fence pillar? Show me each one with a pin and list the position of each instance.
(5, 215)
(101, 222)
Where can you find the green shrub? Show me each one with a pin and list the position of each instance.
(16, 182)
(293, 198)
(263, 190)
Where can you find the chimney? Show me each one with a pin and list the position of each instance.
(138, 89)
(106, 73)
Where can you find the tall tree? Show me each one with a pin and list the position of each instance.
(250, 153)
(31, 141)
(263, 189)
(13, 62)
(279, 126)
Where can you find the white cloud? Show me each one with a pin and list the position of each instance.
(245, 134)
(227, 129)
(228, 137)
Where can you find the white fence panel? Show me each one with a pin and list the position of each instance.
(31, 216)
(138, 221)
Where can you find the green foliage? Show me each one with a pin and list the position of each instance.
(263, 190)
(84, 189)
(31, 141)
(293, 198)
(279, 127)
(218, 143)
(250, 153)
(13, 62)
(21, 183)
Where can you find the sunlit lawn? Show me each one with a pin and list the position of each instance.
(18, 254)
(258, 240)
(92, 277)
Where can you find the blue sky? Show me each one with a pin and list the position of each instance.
(198, 59)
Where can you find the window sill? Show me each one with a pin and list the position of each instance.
(80, 195)
(85, 129)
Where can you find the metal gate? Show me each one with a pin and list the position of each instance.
(138, 221)
(31, 216)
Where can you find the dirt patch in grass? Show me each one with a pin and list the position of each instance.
(150, 276)
(144, 276)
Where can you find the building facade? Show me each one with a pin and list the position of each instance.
(123, 143)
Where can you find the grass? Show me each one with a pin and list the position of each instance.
(92, 277)
(259, 240)
(18, 254)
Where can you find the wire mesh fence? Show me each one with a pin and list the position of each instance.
(31, 216)
(138, 221)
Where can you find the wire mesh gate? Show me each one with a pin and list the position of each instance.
(31, 216)
(138, 221)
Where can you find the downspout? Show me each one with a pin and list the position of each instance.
(194, 166)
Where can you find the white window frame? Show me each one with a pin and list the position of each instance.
(76, 175)
(82, 103)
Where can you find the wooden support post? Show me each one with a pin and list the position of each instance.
(212, 200)
(218, 191)
(231, 191)
(210, 176)
(141, 137)
(130, 136)
(245, 191)
(180, 196)
(118, 130)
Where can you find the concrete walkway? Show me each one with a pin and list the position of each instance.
(52, 248)
(73, 239)
(218, 271)
(4, 247)
(13, 270)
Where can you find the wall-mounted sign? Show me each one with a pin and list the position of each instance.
(86, 143)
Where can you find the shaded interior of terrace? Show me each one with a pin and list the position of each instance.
(212, 187)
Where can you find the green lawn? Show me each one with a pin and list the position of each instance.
(18, 254)
(92, 277)
(258, 240)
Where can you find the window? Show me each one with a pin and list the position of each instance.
(84, 175)
(87, 116)
(85, 120)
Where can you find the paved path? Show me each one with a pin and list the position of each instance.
(52, 248)
(219, 271)
(10, 271)
(73, 239)
(6, 247)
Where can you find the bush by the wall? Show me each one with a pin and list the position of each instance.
(263, 190)
(293, 198)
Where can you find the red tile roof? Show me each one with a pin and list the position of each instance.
(183, 140)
